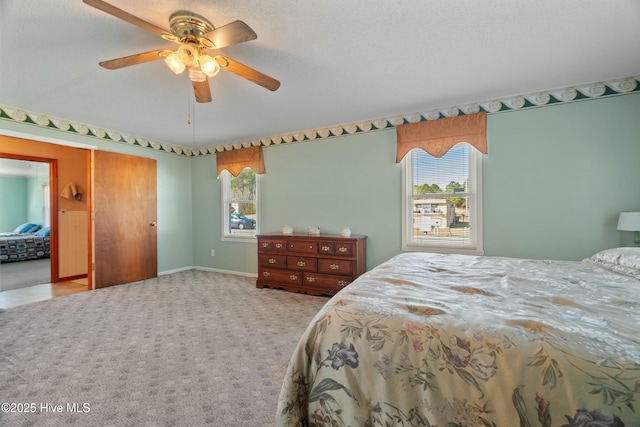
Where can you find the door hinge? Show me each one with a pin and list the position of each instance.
(93, 267)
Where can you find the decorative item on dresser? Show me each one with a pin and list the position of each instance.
(316, 265)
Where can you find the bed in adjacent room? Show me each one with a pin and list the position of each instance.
(461, 341)
(26, 242)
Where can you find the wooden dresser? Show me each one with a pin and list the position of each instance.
(316, 265)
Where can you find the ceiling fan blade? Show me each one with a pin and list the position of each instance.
(126, 16)
(202, 91)
(230, 34)
(248, 73)
(138, 58)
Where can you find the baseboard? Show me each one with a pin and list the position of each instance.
(215, 270)
(219, 270)
(177, 270)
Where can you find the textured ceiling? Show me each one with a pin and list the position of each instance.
(338, 61)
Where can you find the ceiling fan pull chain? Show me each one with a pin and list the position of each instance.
(192, 112)
(189, 104)
(194, 122)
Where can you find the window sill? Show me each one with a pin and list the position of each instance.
(442, 250)
(240, 239)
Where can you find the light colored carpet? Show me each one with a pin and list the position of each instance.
(21, 274)
(188, 349)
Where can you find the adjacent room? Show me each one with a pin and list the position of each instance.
(319, 213)
(25, 221)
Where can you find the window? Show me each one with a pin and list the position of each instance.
(442, 201)
(46, 205)
(240, 219)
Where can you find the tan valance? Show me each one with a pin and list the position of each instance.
(236, 160)
(436, 137)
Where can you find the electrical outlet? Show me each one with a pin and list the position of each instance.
(213, 252)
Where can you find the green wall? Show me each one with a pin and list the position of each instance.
(555, 179)
(350, 181)
(34, 196)
(13, 203)
(20, 201)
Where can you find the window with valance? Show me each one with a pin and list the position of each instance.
(442, 183)
(239, 173)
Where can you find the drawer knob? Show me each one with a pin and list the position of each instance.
(342, 249)
(325, 249)
(272, 261)
(293, 277)
(266, 274)
(311, 279)
(342, 283)
(278, 245)
(265, 245)
(334, 266)
(301, 263)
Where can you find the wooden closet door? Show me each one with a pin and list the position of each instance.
(125, 206)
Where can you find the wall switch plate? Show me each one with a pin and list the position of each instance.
(213, 252)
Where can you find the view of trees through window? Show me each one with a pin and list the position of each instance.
(242, 203)
(441, 195)
(243, 188)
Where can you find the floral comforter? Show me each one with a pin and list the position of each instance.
(462, 341)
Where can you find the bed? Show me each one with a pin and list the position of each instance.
(464, 341)
(26, 242)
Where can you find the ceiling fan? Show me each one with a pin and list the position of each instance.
(195, 35)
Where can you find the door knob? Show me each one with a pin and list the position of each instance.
(154, 224)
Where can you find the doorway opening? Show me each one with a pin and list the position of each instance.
(25, 222)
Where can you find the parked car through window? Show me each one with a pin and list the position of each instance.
(241, 222)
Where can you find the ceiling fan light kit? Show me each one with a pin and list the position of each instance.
(195, 34)
(174, 63)
(200, 65)
(188, 55)
(208, 65)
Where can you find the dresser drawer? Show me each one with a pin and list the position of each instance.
(326, 248)
(272, 246)
(272, 260)
(326, 282)
(344, 249)
(302, 263)
(335, 266)
(280, 276)
(302, 246)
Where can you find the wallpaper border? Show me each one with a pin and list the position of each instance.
(539, 99)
